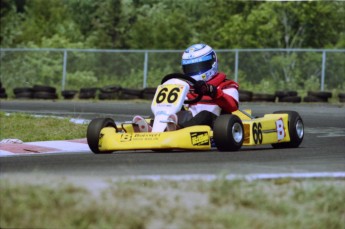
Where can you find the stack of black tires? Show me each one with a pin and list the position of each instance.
(112, 92)
(116, 92)
(3, 94)
(317, 96)
(35, 92)
(245, 96)
(341, 97)
(69, 94)
(88, 93)
(288, 96)
(278, 96)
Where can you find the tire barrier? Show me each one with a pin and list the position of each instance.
(317, 96)
(290, 99)
(69, 94)
(44, 92)
(341, 97)
(3, 94)
(35, 92)
(245, 96)
(288, 96)
(45, 95)
(116, 92)
(262, 97)
(23, 93)
(87, 93)
(128, 93)
(148, 93)
(110, 92)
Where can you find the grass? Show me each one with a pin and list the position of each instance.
(31, 128)
(170, 204)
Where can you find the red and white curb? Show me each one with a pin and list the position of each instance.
(43, 147)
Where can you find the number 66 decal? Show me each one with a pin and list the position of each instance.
(257, 133)
(165, 96)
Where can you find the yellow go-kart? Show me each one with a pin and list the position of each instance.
(281, 129)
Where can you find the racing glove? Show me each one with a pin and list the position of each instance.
(201, 87)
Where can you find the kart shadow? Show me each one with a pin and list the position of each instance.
(178, 151)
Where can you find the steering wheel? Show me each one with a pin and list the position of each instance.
(186, 78)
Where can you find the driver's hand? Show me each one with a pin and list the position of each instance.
(201, 87)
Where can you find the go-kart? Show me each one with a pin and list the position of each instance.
(281, 129)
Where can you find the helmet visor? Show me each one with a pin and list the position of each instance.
(199, 67)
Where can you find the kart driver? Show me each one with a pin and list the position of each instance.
(220, 95)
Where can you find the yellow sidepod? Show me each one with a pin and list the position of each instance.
(190, 138)
(272, 128)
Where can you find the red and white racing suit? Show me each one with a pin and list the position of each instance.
(226, 99)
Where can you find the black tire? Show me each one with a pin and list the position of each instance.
(69, 94)
(320, 94)
(290, 99)
(341, 95)
(245, 96)
(3, 95)
(19, 90)
(148, 93)
(108, 96)
(94, 130)
(42, 88)
(128, 97)
(88, 90)
(263, 97)
(24, 95)
(129, 91)
(147, 96)
(150, 90)
(282, 94)
(111, 89)
(314, 99)
(296, 130)
(44, 95)
(87, 95)
(228, 133)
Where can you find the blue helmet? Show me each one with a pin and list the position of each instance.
(200, 62)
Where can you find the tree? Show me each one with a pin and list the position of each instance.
(10, 20)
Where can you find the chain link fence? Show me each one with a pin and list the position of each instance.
(257, 70)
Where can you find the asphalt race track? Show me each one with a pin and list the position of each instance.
(323, 148)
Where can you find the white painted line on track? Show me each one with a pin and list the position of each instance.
(249, 177)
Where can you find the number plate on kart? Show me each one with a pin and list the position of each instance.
(170, 94)
(169, 99)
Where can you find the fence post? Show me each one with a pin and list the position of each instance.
(323, 70)
(64, 68)
(236, 65)
(145, 68)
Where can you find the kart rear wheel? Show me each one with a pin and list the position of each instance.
(296, 130)
(94, 130)
(228, 133)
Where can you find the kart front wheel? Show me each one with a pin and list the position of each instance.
(228, 133)
(94, 130)
(296, 130)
